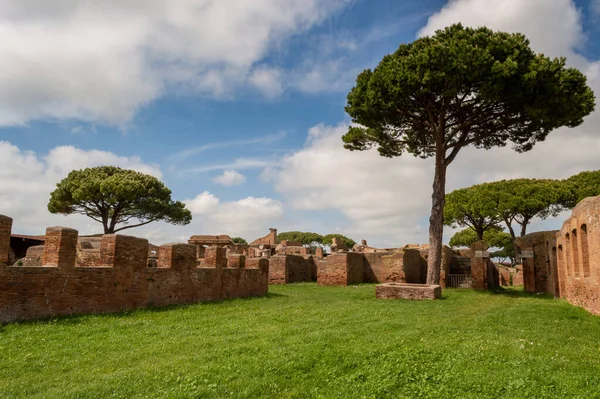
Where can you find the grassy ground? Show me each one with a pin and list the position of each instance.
(305, 341)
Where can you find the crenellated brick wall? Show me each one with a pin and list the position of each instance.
(123, 281)
(578, 256)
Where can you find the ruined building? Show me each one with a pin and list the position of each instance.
(112, 274)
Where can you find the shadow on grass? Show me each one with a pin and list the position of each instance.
(76, 319)
(516, 293)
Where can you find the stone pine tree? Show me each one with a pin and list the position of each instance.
(473, 207)
(583, 185)
(462, 87)
(328, 239)
(307, 238)
(521, 200)
(118, 198)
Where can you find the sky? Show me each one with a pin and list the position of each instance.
(238, 106)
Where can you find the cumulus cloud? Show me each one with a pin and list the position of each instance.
(28, 178)
(230, 178)
(101, 61)
(249, 217)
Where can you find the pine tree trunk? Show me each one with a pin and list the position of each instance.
(436, 220)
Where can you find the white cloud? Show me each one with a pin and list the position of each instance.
(230, 178)
(240, 163)
(595, 6)
(249, 217)
(267, 80)
(203, 204)
(101, 61)
(190, 152)
(28, 178)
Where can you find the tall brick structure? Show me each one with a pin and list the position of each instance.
(5, 230)
(538, 256)
(121, 279)
(578, 256)
(484, 273)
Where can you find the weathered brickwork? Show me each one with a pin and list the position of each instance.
(5, 230)
(484, 273)
(403, 266)
(286, 269)
(123, 281)
(342, 268)
(578, 256)
(540, 270)
(408, 291)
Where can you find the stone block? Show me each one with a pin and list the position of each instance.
(408, 291)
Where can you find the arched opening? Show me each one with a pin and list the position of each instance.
(575, 252)
(585, 256)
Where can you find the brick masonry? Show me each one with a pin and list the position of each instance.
(5, 230)
(124, 281)
(540, 270)
(341, 268)
(578, 256)
(286, 269)
(484, 273)
(408, 291)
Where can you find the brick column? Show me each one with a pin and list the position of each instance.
(215, 257)
(236, 261)
(5, 230)
(60, 248)
(479, 264)
(177, 256)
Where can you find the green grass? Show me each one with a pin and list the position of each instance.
(305, 341)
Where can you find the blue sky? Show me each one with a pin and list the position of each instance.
(239, 107)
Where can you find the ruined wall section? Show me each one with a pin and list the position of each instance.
(538, 256)
(123, 281)
(578, 256)
(287, 269)
(5, 230)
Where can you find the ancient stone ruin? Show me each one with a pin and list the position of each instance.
(111, 274)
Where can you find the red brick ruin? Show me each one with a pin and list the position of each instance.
(77, 275)
(116, 276)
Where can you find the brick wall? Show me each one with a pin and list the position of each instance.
(578, 256)
(123, 281)
(479, 265)
(342, 268)
(540, 272)
(286, 269)
(5, 230)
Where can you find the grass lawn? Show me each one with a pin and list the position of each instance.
(306, 341)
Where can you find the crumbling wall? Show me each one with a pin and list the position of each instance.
(405, 266)
(578, 256)
(286, 269)
(341, 268)
(122, 281)
(270, 239)
(538, 257)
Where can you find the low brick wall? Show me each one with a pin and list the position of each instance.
(408, 291)
(123, 281)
